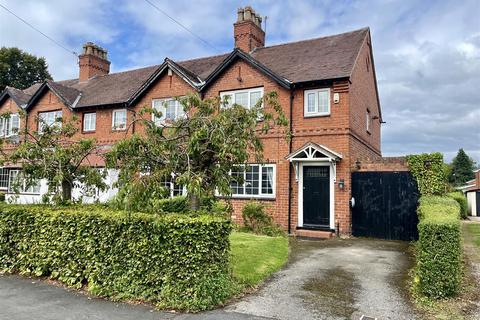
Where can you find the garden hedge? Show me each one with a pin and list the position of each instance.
(439, 247)
(429, 171)
(178, 262)
(462, 201)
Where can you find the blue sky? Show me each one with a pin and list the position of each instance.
(427, 53)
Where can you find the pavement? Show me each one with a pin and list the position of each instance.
(329, 279)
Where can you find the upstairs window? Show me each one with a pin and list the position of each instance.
(119, 119)
(9, 126)
(171, 110)
(89, 121)
(49, 119)
(317, 102)
(247, 98)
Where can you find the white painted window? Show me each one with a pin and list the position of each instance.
(174, 189)
(247, 98)
(17, 182)
(49, 119)
(3, 178)
(253, 181)
(316, 102)
(119, 119)
(170, 108)
(368, 119)
(89, 121)
(10, 126)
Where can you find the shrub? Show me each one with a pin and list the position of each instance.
(176, 261)
(2, 197)
(175, 204)
(429, 171)
(462, 201)
(257, 220)
(438, 269)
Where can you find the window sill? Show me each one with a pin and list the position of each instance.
(316, 115)
(119, 130)
(247, 198)
(88, 132)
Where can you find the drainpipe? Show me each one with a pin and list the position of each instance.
(290, 165)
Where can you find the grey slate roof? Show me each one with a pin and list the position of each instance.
(330, 57)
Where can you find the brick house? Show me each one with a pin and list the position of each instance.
(327, 87)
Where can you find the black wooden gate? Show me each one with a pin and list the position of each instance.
(385, 205)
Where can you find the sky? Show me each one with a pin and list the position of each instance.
(427, 53)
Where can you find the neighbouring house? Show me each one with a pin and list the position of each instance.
(327, 87)
(471, 189)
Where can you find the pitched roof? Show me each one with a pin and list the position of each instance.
(20, 97)
(323, 58)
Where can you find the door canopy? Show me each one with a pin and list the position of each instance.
(313, 152)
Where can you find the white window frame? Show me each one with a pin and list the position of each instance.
(23, 185)
(6, 126)
(56, 114)
(179, 111)
(233, 92)
(260, 194)
(114, 127)
(316, 112)
(4, 179)
(89, 114)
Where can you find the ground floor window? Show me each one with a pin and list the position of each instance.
(253, 180)
(18, 183)
(3, 179)
(174, 189)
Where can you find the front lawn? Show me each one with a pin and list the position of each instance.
(256, 257)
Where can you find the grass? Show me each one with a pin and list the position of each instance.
(461, 307)
(256, 257)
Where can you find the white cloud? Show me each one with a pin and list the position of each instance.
(427, 53)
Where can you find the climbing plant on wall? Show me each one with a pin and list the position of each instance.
(429, 171)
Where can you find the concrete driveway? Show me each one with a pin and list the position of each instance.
(334, 279)
(337, 279)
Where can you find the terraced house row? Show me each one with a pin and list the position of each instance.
(326, 86)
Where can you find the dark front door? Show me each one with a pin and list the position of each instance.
(316, 196)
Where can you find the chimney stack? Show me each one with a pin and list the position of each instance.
(93, 62)
(247, 31)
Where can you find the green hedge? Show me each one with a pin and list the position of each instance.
(462, 201)
(178, 262)
(439, 247)
(429, 171)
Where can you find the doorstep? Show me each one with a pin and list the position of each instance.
(313, 233)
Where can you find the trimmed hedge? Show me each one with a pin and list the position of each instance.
(429, 171)
(178, 262)
(439, 247)
(462, 201)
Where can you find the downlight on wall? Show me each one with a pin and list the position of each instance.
(336, 97)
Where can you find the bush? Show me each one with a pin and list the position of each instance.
(258, 221)
(462, 201)
(175, 204)
(176, 261)
(429, 171)
(438, 269)
(2, 197)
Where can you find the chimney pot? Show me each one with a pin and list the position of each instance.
(247, 14)
(240, 14)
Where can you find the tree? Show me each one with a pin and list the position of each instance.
(20, 69)
(52, 154)
(462, 167)
(197, 151)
